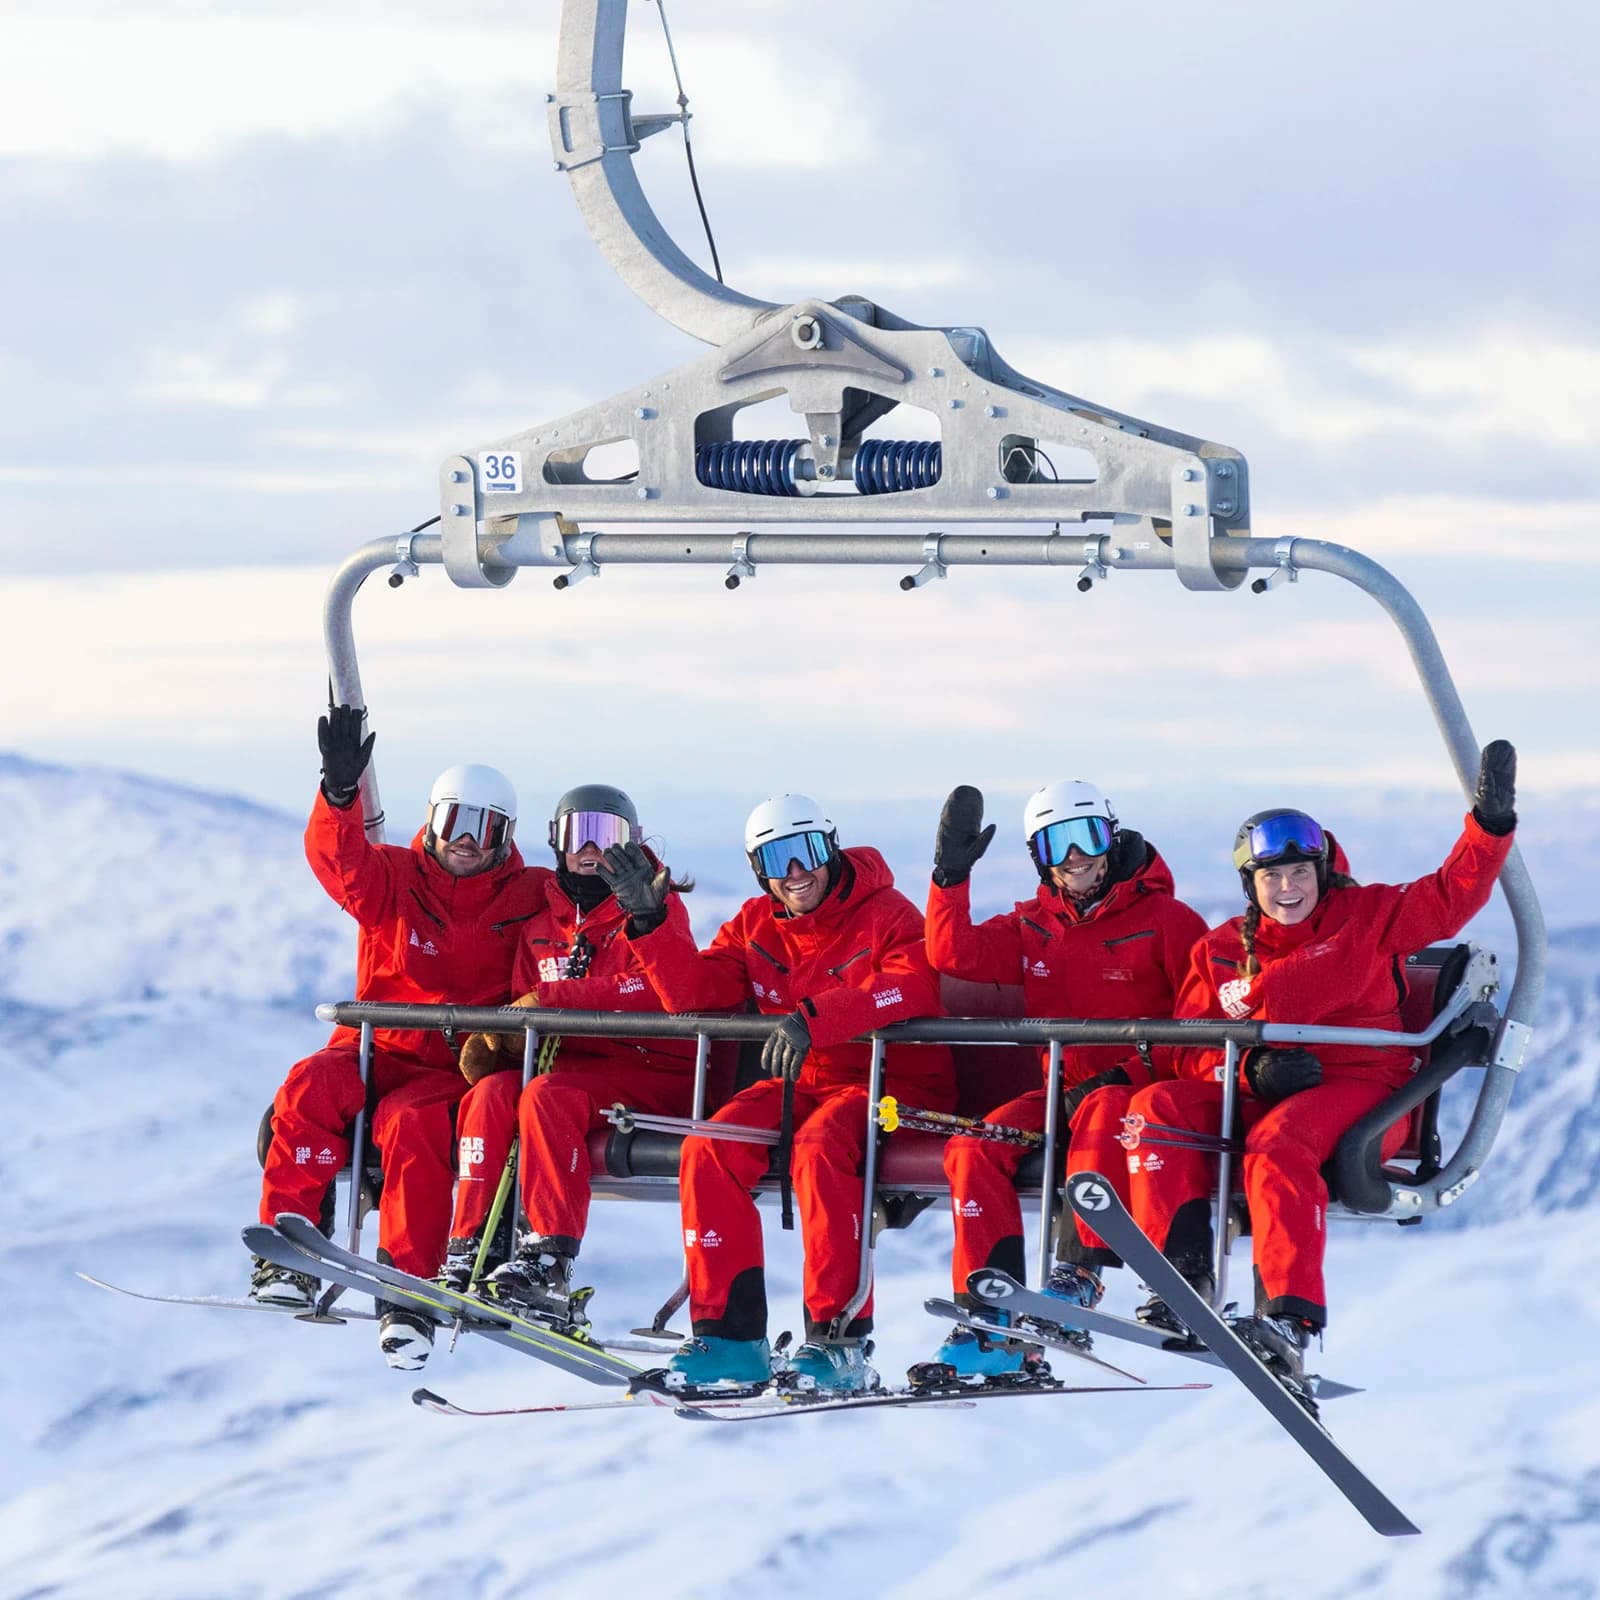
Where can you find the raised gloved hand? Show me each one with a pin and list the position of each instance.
(1274, 1075)
(345, 753)
(1079, 1092)
(481, 1055)
(962, 837)
(1495, 804)
(639, 885)
(787, 1047)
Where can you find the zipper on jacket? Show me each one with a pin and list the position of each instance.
(511, 922)
(769, 956)
(1223, 961)
(1029, 922)
(436, 920)
(865, 950)
(1147, 933)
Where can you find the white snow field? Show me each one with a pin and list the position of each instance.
(159, 973)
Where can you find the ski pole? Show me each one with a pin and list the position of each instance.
(625, 1121)
(498, 1205)
(893, 1115)
(785, 1154)
(1138, 1129)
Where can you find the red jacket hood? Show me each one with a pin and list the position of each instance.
(1151, 876)
(862, 873)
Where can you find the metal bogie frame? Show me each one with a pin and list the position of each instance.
(1473, 989)
(1156, 500)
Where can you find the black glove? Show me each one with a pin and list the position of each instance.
(640, 887)
(1079, 1092)
(1494, 805)
(1274, 1075)
(345, 753)
(787, 1047)
(962, 838)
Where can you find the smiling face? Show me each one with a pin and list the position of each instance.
(1287, 891)
(800, 890)
(585, 861)
(1080, 875)
(463, 856)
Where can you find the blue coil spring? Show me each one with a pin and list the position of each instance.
(749, 466)
(889, 466)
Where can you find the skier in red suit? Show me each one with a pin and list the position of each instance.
(571, 954)
(1318, 949)
(1104, 937)
(439, 923)
(832, 947)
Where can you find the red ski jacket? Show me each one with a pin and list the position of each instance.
(854, 964)
(1344, 966)
(614, 980)
(1125, 956)
(426, 938)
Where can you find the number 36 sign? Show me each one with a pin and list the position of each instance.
(500, 470)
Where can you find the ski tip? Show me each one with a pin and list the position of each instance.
(428, 1400)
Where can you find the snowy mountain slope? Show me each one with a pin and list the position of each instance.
(157, 1451)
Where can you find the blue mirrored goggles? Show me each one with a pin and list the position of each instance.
(812, 850)
(487, 827)
(1092, 835)
(1289, 836)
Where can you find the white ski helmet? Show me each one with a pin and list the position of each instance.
(797, 824)
(472, 799)
(1072, 799)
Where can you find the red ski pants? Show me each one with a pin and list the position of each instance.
(983, 1199)
(1285, 1147)
(411, 1127)
(721, 1227)
(554, 1116)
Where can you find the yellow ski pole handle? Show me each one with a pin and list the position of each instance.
(888, 1113)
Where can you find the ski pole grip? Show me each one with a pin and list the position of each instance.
(888, 1113)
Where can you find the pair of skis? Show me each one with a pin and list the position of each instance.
(1094, 1200)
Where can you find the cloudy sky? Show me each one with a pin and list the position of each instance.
(265, 265)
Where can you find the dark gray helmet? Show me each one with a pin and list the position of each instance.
(576, 808)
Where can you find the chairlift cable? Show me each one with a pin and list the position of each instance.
(688, 149)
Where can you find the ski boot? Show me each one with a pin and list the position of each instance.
(707, 1364)
(833, 1366)
(405, 1335)
(273, 1285)
(1073, 1285)
(537, 1283)
(1279, 1344)
(1156, 1313)
(461, 1256)
(972, 1358)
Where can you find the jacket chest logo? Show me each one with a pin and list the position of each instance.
(771, 996)
(423, 946)
(1037, 969)
(1234, 996)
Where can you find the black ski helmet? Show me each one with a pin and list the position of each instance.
(593, 797)
(1280, 834)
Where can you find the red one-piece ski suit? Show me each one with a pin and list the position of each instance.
(558, 1109)
(427, 938)
(1343, 967)
(1124, 956)
(854, 964)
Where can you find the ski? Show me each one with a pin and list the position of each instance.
(222, 1302)
(1000, 1291)
(637, 1400)
(800, 1403)
(996, 1330)
(1097, 1203)
(296, 1243)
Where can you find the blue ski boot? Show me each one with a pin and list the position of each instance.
(838, 1366)
(971, 1354)
(707, 1362)
(1073, 1285)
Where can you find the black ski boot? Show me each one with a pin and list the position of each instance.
(273, 1285)
(461, 1256)
(537, 1283)
(405, 1335)
(1279, 1344)
(1156, 1313)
